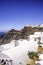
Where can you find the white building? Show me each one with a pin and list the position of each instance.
(19, 53)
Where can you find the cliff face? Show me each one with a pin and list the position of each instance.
(31, 30)
(12, 35)
(22, 34)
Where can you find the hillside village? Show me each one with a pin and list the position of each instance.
(20, 34)
(14, 46)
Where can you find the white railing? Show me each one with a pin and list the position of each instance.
(5, 62)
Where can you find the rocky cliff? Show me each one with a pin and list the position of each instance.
(22, 34)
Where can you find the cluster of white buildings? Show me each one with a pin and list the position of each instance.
(15, 52)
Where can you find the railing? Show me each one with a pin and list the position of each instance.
(5, 62)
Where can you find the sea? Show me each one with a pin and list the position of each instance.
(1, 33)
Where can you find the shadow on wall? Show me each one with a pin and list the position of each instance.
(1, 48)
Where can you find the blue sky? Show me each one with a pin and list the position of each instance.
(18, 13)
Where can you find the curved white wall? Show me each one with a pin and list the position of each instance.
(19, 53)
